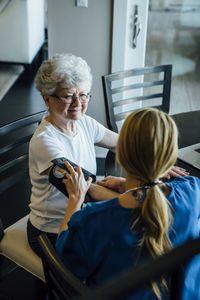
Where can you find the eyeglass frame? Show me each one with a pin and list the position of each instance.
(73, 98)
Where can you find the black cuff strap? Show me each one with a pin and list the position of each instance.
(56, 177)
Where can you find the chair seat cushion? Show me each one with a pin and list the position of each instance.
(15, 247)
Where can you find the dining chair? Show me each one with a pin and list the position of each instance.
(129, 281)
(61, 284)
(15, 191)
(128, 90)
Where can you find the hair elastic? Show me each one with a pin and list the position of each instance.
(150, 184)
(145, 187)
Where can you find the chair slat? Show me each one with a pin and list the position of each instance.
(20, 123)
(136, 86)
(13, 145)
(163, 88)
(122, 116)
(139, 71)
(135, 99)
(13, 162)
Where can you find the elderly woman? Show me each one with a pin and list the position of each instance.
(64, 82)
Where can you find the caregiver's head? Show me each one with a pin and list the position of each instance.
(147, 146)
(65, 82)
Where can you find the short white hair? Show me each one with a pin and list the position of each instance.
(63, 71)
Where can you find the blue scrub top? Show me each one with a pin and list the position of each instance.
(99, 242)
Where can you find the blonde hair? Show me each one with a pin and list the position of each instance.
(147, 149)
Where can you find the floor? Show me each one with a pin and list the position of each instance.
(20, 285)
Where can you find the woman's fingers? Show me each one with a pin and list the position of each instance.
(177, 171)
(78, 170)
(69, 167)
(89, 181)
(75, 179)
(105, 180)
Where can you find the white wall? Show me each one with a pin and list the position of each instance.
(85, 32)
(124, 56)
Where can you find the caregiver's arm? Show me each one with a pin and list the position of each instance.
(77, 188)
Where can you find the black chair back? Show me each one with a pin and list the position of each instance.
(171, 264)
(149, 85)
(61, 283)
(14, 173)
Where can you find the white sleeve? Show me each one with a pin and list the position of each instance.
(96, 129)
(43, 149)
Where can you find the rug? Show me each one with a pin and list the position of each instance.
(8, 75)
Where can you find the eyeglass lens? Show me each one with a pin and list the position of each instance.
(71, 98)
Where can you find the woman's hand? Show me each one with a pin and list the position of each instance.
(177, 171)
(114, 183)
(77, 187)
(76, 184)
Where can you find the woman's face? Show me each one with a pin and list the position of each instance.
(60, 110)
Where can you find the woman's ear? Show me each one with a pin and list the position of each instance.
(46, 99)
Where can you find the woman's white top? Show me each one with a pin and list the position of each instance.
(48, 204)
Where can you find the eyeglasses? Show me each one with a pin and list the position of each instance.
(68, 99)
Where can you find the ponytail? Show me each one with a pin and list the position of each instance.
(157, 219)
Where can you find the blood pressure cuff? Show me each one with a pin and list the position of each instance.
(56, 176)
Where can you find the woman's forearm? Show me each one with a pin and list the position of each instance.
(100, 193)
(73, 206)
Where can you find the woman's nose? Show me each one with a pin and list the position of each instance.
(76, 101)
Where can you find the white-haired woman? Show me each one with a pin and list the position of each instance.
(146, 220)
(64, 82)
